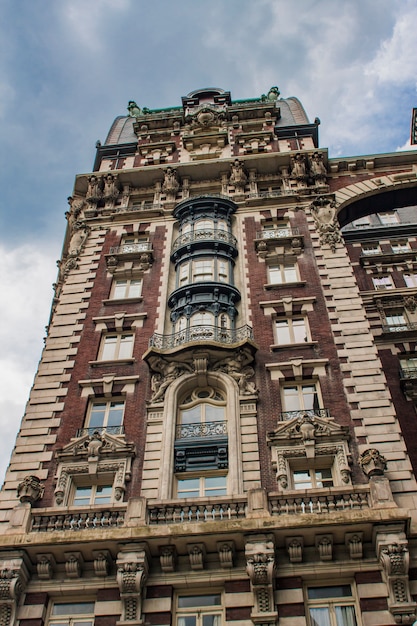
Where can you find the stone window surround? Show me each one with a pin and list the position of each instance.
(174, 391)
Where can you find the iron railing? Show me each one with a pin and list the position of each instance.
(110, 430)
(409, 372)
(207, 429)
(399, 328)
(129, 248)
(289, 415)
(205, 234)
(201, 333)
(278, 233)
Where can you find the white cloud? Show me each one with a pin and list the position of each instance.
(25, 285)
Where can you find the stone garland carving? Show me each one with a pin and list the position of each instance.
(30, 489)
(132, 573)
(260, 567)
(324, 212)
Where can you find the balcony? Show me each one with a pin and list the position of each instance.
(132, 248)
(299, 413)
(399, 328)
(331, 501)
(197, 430)
(110, 430)
(80, 519)
(198, 334)
(278, 233)
(210, 510)
(204, 235)
(408, 380)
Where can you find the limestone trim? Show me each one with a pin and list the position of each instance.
(133, 563)
(14, 577)
(379, 184)
(260, 567)
(104, 386)
(300, 368)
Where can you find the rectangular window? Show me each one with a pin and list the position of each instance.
(400, 246)
(279, 274)
(72, 614)
(128, 288)
(371, 248)
(106, 415)
(199, 610)
(312, 478)
(388, 217)
(200, 486)
(331, 606)
(396, 321)
(116, 347)
(410, 280)
(293, 330)
(301, 397)
(89, 495)
(382, 282)
(202, 270)
(222, 272)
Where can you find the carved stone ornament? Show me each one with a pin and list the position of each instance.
(295, 549)
(45, 566)
(298, 168)
(170, 186)
(74, 563)
(164, 373)
(324, 212)
(237, 367)
(238, 178)
(226, 550)
(132, 573)
(317, 169)
(324, 545)
(196, 555)
(205, 116)
(168, 558)
(373, 463)
(30, 489)
(260, 566)
(102, 562)
(14, 577)
(392, 551)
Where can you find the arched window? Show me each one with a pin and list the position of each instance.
(201, 445)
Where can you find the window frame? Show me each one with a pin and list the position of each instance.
(331, 602)
(107, 403)
(381, 286)
(115, 356)
(282, 271)
(127, 293)
(94, 499)
(71, 618)
(410, 283)
(291, 325)
(204, 490)
(388, 218)
(317, 398)
(200, 610)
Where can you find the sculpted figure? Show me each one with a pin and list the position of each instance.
(95, 189)
(272, 96)
(166, 373)
(238, 177)
(134, 110)
(298, 167)
(170, 185)
(78, 238)
(111, 187)
(317, 169)
(236, 367)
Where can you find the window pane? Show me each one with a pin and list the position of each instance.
(302, 480)
(320, 617)
(214, 413)
(82, 496)
(120, 289)
(334, 591)
(309, 397)
(71, 608)
(109, 347)
(103, 494)
(345, 616)
(215, 486)
(191, 416)
(410, 280)
(283, 332)
(115, 417)
(97, 415)
(291, 398)
(213, 599)
(211, 620)
(190, 620)
(324, 478)
(299, 328)
(189, 488)
(135, 288)
(126, 344)
(290, 274)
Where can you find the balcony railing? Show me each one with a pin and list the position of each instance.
(205, 234)
(278, 233)
(129, 248)
(408, 373)
(355, 498)
(289, 415)
(209, 511)
(399, 328)
(79, 520)
(201, 333)
(110, 430)
(207, 429)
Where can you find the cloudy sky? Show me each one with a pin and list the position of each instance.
(69, 67)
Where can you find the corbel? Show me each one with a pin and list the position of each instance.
(260, 567)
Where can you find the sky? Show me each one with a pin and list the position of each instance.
(69, 67)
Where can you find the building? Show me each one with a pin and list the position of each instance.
(222, 426)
